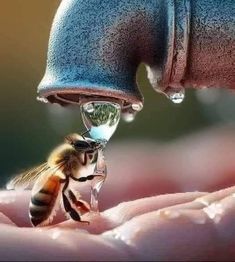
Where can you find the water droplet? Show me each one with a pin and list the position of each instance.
(137, 107)
(128, 117)
(101, 170)
(101, 118)
(175, 95)
(214, 211)
(169, 214)
(55, 234)
(42, 99)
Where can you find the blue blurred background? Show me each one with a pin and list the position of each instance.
(30, 129)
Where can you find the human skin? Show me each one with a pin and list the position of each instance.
(144, 217)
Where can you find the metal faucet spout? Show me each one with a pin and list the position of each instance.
(96, 47)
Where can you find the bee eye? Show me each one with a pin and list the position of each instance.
(81, 145)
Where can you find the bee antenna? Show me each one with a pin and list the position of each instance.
(87, 131)
(68, 139)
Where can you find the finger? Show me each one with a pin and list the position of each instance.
(203, 201)
(131, 241)
(186, 235)
(57, 245)
(150, 236)
(15, 205)
(41, 240)
(126, 211)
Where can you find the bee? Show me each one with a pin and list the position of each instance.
(75, 159)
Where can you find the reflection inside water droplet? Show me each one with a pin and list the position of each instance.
(175, 95)
(101, 118)
(89, 108)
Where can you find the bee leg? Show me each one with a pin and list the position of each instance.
(75, 216)
(84, 179)
(91, 177)
(82, 206)
(67, 205)
(68, 208)
(85, 159)
(72, 212)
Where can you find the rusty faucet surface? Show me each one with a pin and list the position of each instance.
(96, 47)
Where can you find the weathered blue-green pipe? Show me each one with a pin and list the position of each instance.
(96, 47)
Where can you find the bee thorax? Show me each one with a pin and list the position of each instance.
(63, 153)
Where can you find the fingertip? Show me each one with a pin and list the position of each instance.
(127, 210)
(177, 237)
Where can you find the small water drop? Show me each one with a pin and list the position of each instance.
(169, 214)
(175, 95)
(42, 99)
(137, 107)
(101, 118)
(55, 234)
(101, 170)
(214, 211)
(128, 117)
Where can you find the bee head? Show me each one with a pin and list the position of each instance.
(83, 144)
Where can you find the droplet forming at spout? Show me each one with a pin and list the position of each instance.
(101, 118)
(177, 96)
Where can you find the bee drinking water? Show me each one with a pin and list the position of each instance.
(77, 160)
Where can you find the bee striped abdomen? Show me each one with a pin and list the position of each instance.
(43, 202)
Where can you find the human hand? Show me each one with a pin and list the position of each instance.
(146, 225)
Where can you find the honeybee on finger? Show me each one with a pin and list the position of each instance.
(75, 159)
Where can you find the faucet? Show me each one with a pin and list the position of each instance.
(96, 46)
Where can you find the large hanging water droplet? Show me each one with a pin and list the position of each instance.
(175, 95)
(101, 173)
(101, 118)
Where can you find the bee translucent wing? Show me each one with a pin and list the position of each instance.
(27, 179)
(47, 174)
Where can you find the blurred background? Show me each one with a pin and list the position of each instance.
(30, 129)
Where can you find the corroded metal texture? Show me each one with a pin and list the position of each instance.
(96, 47)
